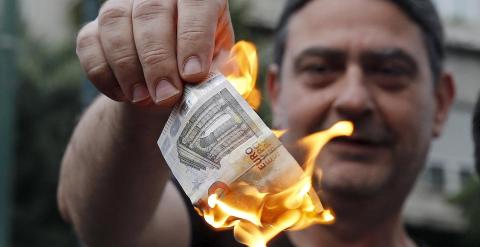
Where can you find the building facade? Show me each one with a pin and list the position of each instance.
(48, 21)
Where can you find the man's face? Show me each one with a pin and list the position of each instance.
(363, 61)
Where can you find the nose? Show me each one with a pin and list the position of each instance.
(354, 99)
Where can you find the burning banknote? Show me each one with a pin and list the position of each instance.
(233, 167)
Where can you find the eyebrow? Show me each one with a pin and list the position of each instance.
(368, 56)
(320, 52)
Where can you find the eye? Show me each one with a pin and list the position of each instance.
(317, 75)
(316, 65)
(391, 70)
(391, 75)
(317, 68)
(390, 78)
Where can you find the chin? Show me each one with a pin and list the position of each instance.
(353, 180)
(350, 190)
(356, 172)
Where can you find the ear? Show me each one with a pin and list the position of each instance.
(444, 95)
(274, 88)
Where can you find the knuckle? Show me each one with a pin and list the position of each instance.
(89, 60)
(194, 40)
(85, 41)
(125, 61)
(154, 54)
(117, 42)
(111, 13)
(87, 36)
(99, 74)
(146, 10)
(214, 5)
(191, 34)
(196, 3)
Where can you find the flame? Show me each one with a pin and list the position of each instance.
(241, 69)
(257, 217)
(279, 133)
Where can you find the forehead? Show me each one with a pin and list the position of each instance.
(354, 25)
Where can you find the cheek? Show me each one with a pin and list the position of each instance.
(302, 110)
(410, 117)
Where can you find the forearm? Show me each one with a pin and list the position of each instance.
(112, 173)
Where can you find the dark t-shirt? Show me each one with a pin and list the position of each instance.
(203, 235)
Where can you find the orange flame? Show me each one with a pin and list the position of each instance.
(241, 69)
(279, 133)
(255, 216)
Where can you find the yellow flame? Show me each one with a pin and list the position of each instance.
(327, 215)
(315, 142)
(279, 133)
(241, 70)
(258, 217)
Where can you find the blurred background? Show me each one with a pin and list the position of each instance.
(43, 93)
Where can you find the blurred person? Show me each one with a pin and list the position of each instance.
(476, 133)
(377, 63)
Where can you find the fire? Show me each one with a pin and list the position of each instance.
(241, 69)
(255, 216)
(279, 133)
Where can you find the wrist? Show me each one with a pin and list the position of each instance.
(142, 124)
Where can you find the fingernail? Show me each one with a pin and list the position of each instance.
(140, 93)
(165, 90)
(192, 66)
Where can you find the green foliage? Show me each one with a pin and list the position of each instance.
(48, 103)
(469, 201)
(262, 39)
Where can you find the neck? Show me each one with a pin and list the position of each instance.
(361, 224)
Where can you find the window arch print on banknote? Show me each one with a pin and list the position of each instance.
(215, 129)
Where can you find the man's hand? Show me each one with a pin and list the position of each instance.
(113, 175)
(142, 51)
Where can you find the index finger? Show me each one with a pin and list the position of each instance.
(204, 27)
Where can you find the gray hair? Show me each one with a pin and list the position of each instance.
(422, 12)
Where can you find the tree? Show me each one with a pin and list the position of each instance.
(48, 104)
(469, 200)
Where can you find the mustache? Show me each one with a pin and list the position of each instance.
(367, 132)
